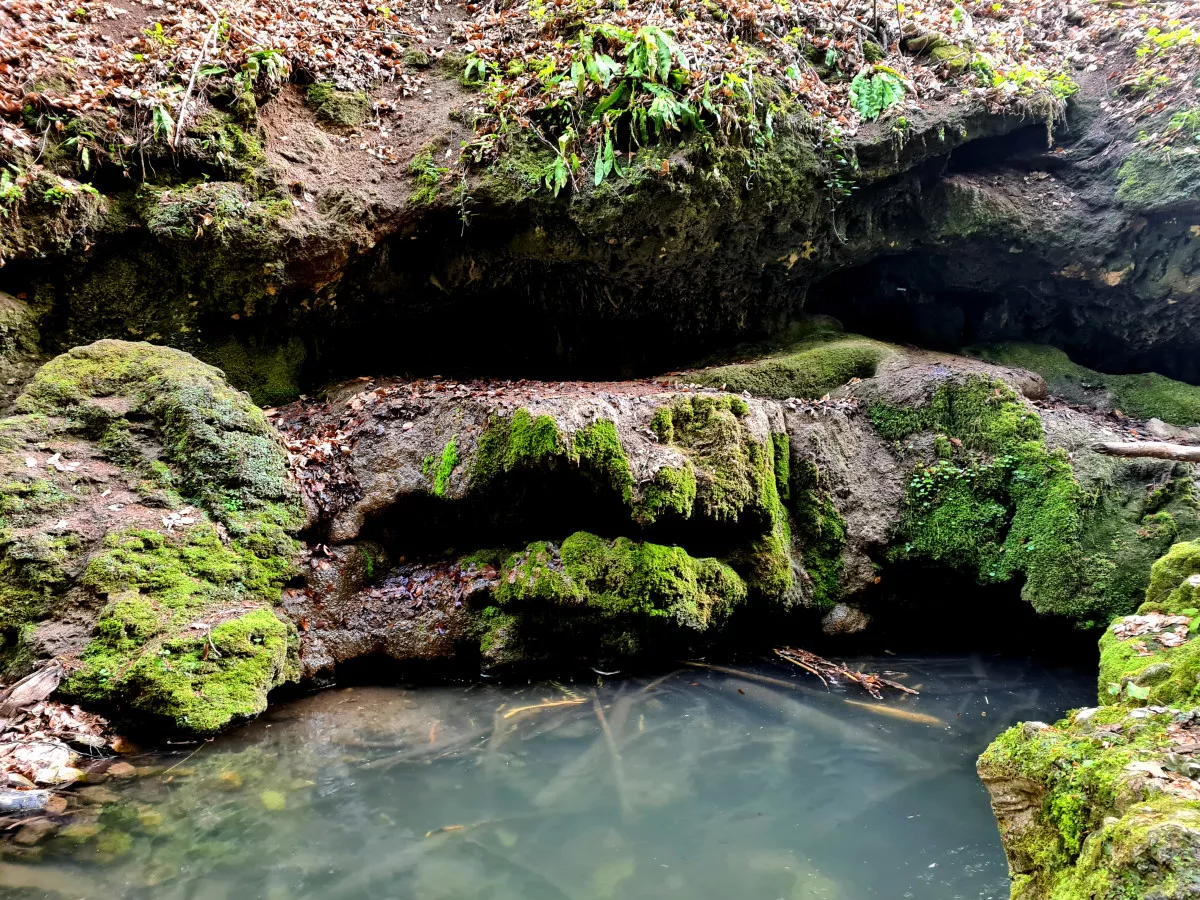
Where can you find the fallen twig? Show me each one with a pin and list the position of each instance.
(830, 672)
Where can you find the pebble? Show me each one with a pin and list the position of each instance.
(97, 795)
(121, 769)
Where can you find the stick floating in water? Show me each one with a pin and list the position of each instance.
(828, 671)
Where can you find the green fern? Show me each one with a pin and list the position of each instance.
(873, 94)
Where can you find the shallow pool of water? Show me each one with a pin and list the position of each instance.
(698, 784)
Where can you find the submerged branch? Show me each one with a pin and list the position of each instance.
(828, 671)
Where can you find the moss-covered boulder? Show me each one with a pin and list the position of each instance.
(148, 527)
(1104, 804)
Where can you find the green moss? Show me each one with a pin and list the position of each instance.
(1153, 180)
(1171, 588)
(597, 447)
(671, 493)
(344, 108)
(449, 462)
(227, 455)
(781, 444)
(736, 484)
(200, 684)
(148, 656)
(270, 375)
(1103, 829)
(728, 488)
(810, 369)
(1140, 396)
(522, 443)
(820, 535)
(427, 178)
(617, 593)
(1004, 506)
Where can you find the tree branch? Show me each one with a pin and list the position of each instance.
(1151, 449)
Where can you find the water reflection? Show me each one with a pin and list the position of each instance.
(696, 784)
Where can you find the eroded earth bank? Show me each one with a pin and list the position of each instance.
(500, 339)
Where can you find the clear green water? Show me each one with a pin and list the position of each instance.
(697, 785)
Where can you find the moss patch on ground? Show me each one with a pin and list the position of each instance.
(1143, 396)
(1110, 815)
(809, 369)
(616, 596)
(334, 107)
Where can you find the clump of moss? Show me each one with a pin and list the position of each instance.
(226, 454)
(730, 464)
(149, 657)
(810, 369)
(671, 493)
(523, 443)
(1143, 396)
(820, 533)
(334, 107)
(445, 468)
(736, 484)
(619, 593)
(1154, 180)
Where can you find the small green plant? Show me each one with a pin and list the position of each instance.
(156, 35)
(267, 67)
(427, 177)
(873, 94)
(162, 123)
(11, 191)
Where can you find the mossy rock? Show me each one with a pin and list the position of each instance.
(184, 571)
(1079, 814)
(344, 108)
(226, 453)
(1141, 396)
(1155, 180)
